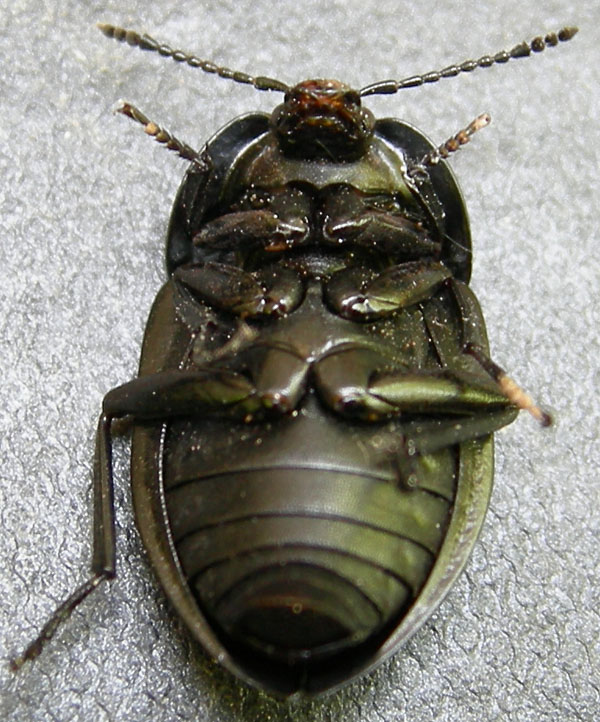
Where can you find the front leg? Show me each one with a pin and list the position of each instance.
(389, 223)
(272, 291)
(274, 220)
(247, 229)
(363, 295)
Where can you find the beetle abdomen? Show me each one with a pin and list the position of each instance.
(303, 560)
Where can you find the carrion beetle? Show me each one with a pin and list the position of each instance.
(312, 448)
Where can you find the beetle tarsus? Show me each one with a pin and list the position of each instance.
(63, 612)
(519, 398)
(514, 393)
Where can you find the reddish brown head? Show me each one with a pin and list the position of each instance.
(323, 119)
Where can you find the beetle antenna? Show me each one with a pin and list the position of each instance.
(159, 134)
(522, 50)
(451, 145)
(145, 42)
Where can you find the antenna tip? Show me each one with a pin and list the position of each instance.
(481, 121)
(105, 28)
(567, 33)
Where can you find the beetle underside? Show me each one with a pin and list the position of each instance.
(312, 450)
(308, 508)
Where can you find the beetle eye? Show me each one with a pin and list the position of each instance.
(351, 97)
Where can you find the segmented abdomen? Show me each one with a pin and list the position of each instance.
(305, 559)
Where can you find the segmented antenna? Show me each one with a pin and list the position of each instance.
(159, 134)
(523, 50)
(451, 145)
(145, 42)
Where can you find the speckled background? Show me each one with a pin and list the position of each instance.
(84, 205)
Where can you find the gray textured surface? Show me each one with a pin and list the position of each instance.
(84, 203)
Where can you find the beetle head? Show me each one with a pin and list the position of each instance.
(320, 119)
(323, 119)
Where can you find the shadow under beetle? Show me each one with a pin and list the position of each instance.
(312, 448)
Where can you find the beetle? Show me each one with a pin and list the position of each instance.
(312, 450)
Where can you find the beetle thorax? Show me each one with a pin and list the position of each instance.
(323, 119)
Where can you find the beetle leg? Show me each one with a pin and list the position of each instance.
(470, 406)
(273, 220)
(157, 396)
(244, 228)
(354, 381)
(384, 232)
(436, 391)
(363, 295)
(200, 174)
(273, 381)
(279, 373)
(171, 394)
(410, 450)
(103, 557)
(269, 291)
(427, 437)
(471, 353)
(511, 389)
(61, 614)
